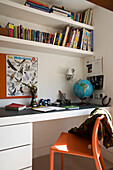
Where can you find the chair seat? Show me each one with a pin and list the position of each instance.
(73, 144)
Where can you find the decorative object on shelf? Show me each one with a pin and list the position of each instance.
(69, 74)
(83, 89)
(33, 90)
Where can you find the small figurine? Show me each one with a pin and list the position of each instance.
(33, 90)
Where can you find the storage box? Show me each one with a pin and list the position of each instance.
(4, 31)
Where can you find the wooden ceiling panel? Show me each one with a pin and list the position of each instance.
(108, 4)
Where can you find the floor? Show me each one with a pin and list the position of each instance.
(70, 163)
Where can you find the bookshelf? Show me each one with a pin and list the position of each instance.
(37, 46)
(24, 13)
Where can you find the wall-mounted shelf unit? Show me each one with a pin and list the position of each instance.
(24, 13)
(15, 43)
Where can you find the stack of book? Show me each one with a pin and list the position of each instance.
(85, 17)
(15, 106)
(37, 5)
(60, 11)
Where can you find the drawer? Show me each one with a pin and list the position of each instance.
(15, 135)
(16, 159)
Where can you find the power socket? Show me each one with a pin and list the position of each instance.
(98, 95)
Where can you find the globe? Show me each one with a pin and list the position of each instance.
(83, 89)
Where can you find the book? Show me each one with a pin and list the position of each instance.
(65, 37)
(71, 107)
(4, 31)
(11, 29)
(15, 106)
(48, 108)
(82, 39)
(32, 5)
(69, 36)
(76, 39)
(72, 39)
(37, 2)
(85, 40)
(90, 17)
(91, 40)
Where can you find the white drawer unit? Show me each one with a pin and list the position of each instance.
(15, 135)
(16, 159)
(16, 147)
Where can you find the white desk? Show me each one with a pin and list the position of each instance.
(16, 135)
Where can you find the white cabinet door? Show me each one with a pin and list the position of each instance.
(16, 159)
(15, 135)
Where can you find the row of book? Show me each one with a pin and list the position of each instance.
(29, 34)
(85, 17)
(37, 5)
(75, 38)
(69, 37)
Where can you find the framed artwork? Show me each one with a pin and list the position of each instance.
(20, 72)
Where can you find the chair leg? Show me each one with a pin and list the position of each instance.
(51, 159)
(62, 161)
(102, 162)
(97, 163)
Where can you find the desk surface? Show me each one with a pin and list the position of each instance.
(8, 117)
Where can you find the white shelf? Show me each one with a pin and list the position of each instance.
(21, 12)
(15, 43)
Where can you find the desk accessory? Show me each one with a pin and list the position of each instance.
(71, 107)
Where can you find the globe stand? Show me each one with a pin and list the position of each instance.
(85, 101)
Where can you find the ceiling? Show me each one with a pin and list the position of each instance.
(73, 5)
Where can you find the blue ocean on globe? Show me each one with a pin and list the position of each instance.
(83, 89)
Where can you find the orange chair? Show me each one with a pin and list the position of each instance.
(76, 145)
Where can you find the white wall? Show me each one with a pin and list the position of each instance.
(103, 46)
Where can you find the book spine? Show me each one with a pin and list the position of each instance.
(18, 30)
(54, 38)
(89, 41)
(76, 39)
(92, 40)
(11, 30)
(65, 37)
(42, 37)
(82, 40)
(21, 32)
(90, 17)
(85, 40)
(14, 31)
(72, 39)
